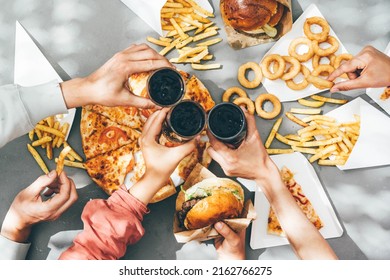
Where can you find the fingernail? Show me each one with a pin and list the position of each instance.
(218, 226)
(52, 174)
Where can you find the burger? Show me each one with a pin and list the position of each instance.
(210, 201)
(252, 17)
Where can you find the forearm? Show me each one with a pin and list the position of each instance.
(305, 239)
(76, 92)
(147, 187)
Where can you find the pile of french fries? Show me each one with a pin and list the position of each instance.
(50, 134)
(179, 18)
(326, 140)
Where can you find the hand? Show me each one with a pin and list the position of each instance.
(28, 208)
(232, 245)
(250, 160)
(160, 161)
(108, 85)
(369, 69)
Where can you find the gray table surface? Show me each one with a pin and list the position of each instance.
(79, 36)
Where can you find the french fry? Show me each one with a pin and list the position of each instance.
(64, 130)
(173, 5)
(322, 152)
(331, 162)
(326, 123)
(346, 141)
(306, 129)
(49, 151)
(200, 18)
(304, 150)
(70, 157)
(279, 151)
(72, 164)
(205, 26)
(309, 103)
(318, 117)
(296, 119)
(319, 132)
(191, 21)
(210, 42)
(205, 35)
(157, 42)
(50, 130)
(38, 133)
(165, 50)
(303, 111)
(273, 132)
(184, 42)
(320, 142)
(185, 29)
(184, 3)
(200, 56)
(31, 135)
(297, 138)
(50, 121)
(41, 141)
(196, 66)
(38, 158)
(61, 158)
(199, 8)
(73, 152)
(329, 100)
(165, 39)
(177, 10)
(286, 141)
(180, 31)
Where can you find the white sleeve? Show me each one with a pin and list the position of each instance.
(11, 250)
(22, 107)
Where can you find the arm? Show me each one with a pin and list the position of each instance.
(22, 107)
(111, 225)
(251, 161)
(368, 69)
(28, 209)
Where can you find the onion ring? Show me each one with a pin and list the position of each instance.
(302, 85)
(320, 37)
(247, 102)
(319, 82)
(233, 90)
(339, 59)
(317, 59)
(258, 75)
(328, 51)
(321, 69)
(301, 57)
(266, 63)
(275, 102)
(293, 70)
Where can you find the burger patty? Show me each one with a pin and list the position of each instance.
(185, 208)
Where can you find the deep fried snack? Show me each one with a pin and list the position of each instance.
(328, 51)
(322, 70)
(267, 62)
(247, 102)
(293, 70)
(319, 82)
(61, 159)
(233, 90)
(275, 102)
(302, 85)
(258, 75)
(320, 37)
(317, 60)
(339, 59)
(301, 57)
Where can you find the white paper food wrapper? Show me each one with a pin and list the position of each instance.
(372, 147)
(375, 93)
(278, 87)
(150, 11)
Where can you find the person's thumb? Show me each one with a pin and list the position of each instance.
(138, 101)
(348, 85)
(186, 148)
(42, 182)
(229, 235)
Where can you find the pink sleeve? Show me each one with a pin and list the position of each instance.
(109, 227)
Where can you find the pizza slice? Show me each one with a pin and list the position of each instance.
(303, 202)
(100, 135)
(196, 91)
(109, 170)
(124, 115)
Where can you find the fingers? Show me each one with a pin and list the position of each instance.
(153, 126)
(251, 124)
(186, 148)
(230, 236)
(67, 189)
(41, 183)
(148, 65)
(347, 67)
(350, 84)
(138, 101)
(70, 201)
(217, 145)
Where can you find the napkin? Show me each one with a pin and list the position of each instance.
(372, 147)
(32, 68)
(149, 11)
(375, 93)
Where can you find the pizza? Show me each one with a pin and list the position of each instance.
(385, 94)
(110, 140)
(109, 170)
(100, 135)
(303, 202)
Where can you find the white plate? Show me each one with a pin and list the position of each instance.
(305, 175)
(375, 93)
(278, 87)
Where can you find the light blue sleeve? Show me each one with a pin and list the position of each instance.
(11, 250)
(22, 107)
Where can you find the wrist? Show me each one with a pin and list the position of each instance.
(76, 92)
(15, 231)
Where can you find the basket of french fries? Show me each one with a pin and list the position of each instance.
(186, 30)
(50, 134)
